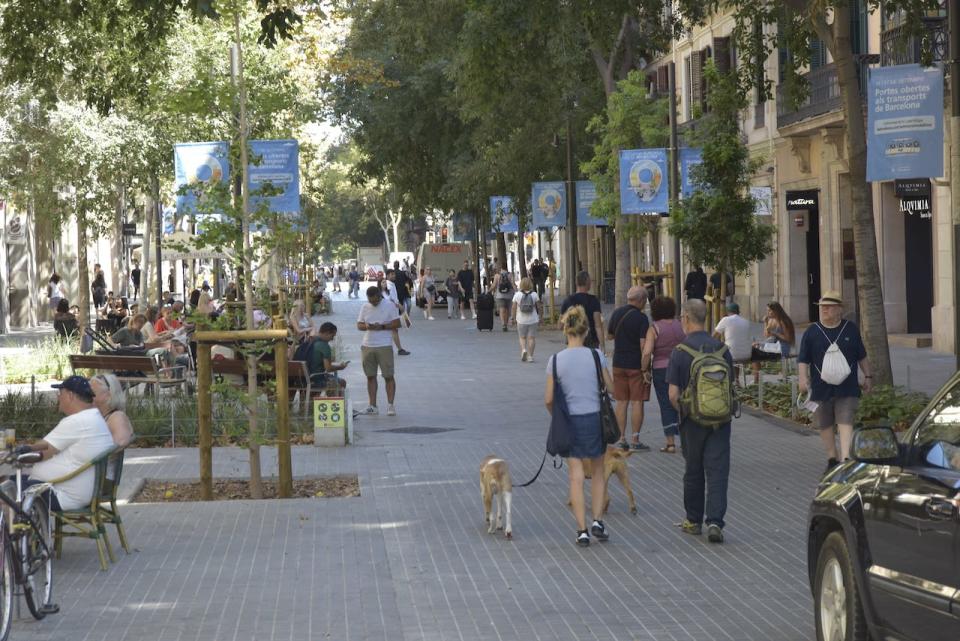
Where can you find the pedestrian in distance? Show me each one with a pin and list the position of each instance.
(734, 330)
(54, 292)
(503, 291)
(454, 294)
(528, 315)
(428, 291)
(695, 285)
(465, 278)
(392, 294)
(377, 319)
(664, 334)
(337, 277)
(628, 330)
(700, 375)
(577, 374)
(135, 279)
(98, 287)
(354, 277)
(539, 273)
(837, 397)
(591, 305)
(404, 285)
(778, 334)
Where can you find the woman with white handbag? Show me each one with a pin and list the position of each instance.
(831, 351)
(778, 335)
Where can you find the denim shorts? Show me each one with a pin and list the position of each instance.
(587, 436)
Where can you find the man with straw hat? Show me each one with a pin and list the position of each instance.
(837, 397)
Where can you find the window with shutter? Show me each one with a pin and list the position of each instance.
(652, 83)
(696, 81)
(818, 53)
(721, 54)
(688, 85)
(663, 80)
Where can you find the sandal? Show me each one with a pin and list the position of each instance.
(669, 449)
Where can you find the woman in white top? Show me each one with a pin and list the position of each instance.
(527, 314)
(54, 291)
(428, 289)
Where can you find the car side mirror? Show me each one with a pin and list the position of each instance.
(875, 444)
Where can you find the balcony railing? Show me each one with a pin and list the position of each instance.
(823, 92)
(898, 47)
(823, 96)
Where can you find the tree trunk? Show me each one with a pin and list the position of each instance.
(501, 253)
(869, 289)
(83, 276)
(395, 223)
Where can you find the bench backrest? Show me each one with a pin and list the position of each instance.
(295, 369)
(121, 363)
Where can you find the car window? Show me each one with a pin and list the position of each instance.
(937, 440)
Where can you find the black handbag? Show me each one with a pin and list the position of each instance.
(560, 436)
(609, 426)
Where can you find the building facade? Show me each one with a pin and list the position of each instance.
(804, 174)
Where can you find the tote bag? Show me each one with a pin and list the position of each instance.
(560, 436)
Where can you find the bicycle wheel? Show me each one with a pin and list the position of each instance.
(6, 585)
(38, 561)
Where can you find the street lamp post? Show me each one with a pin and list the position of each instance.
(571, 269)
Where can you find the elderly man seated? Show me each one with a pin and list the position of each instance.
(81, 436)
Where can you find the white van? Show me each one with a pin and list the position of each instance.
(441, 258)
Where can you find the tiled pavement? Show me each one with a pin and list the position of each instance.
(410, 558)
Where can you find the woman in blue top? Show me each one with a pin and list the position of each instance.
(577, 375)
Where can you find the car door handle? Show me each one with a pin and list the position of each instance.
(940, 508)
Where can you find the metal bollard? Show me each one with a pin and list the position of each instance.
(760, 392)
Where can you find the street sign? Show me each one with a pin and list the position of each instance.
(330, 413)
(129, 229)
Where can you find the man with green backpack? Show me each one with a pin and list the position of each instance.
(700, 375)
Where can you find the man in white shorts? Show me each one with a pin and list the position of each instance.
(379, 318)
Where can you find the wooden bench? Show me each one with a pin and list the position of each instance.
(298, 375)
(136, 369)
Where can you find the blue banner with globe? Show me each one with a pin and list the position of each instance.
(689, 158)
(643, 181)
(196, 166)
(549, 204)
(586, 194)
(503, 217)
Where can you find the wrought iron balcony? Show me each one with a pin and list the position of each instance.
(899, 47)
(823, 92)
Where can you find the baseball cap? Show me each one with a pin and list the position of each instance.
(78, 385)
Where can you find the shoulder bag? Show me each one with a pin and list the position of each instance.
(608, 419)
(560, 436)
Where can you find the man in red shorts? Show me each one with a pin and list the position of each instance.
(628, 327)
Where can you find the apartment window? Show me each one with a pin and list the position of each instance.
(688, 92)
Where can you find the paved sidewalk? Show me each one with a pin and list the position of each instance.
(410, 558)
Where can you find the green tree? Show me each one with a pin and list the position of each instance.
(717, 222)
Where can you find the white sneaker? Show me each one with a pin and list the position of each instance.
(462, 317)
(430, 318)
(391, 411)
(371, 410)
(529, 358)
(523, 356)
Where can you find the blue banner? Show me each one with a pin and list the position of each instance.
(905, 123)
(643, 181)
(503, 218)
(689, 158)
(549, 204)
(197, 165)
(275, 163)
(586, 194)
(463, 224)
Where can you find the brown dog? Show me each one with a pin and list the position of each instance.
(495, 480)
(614, 462)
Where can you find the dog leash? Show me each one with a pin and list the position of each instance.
(542, 461)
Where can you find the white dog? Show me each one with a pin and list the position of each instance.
(495, 480)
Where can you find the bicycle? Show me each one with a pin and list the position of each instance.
(25, 544)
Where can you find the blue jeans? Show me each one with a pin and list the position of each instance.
(707, 454)
(668, 414)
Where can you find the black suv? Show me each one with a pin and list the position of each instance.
(883, 538)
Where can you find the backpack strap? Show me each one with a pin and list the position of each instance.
(620, 322)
